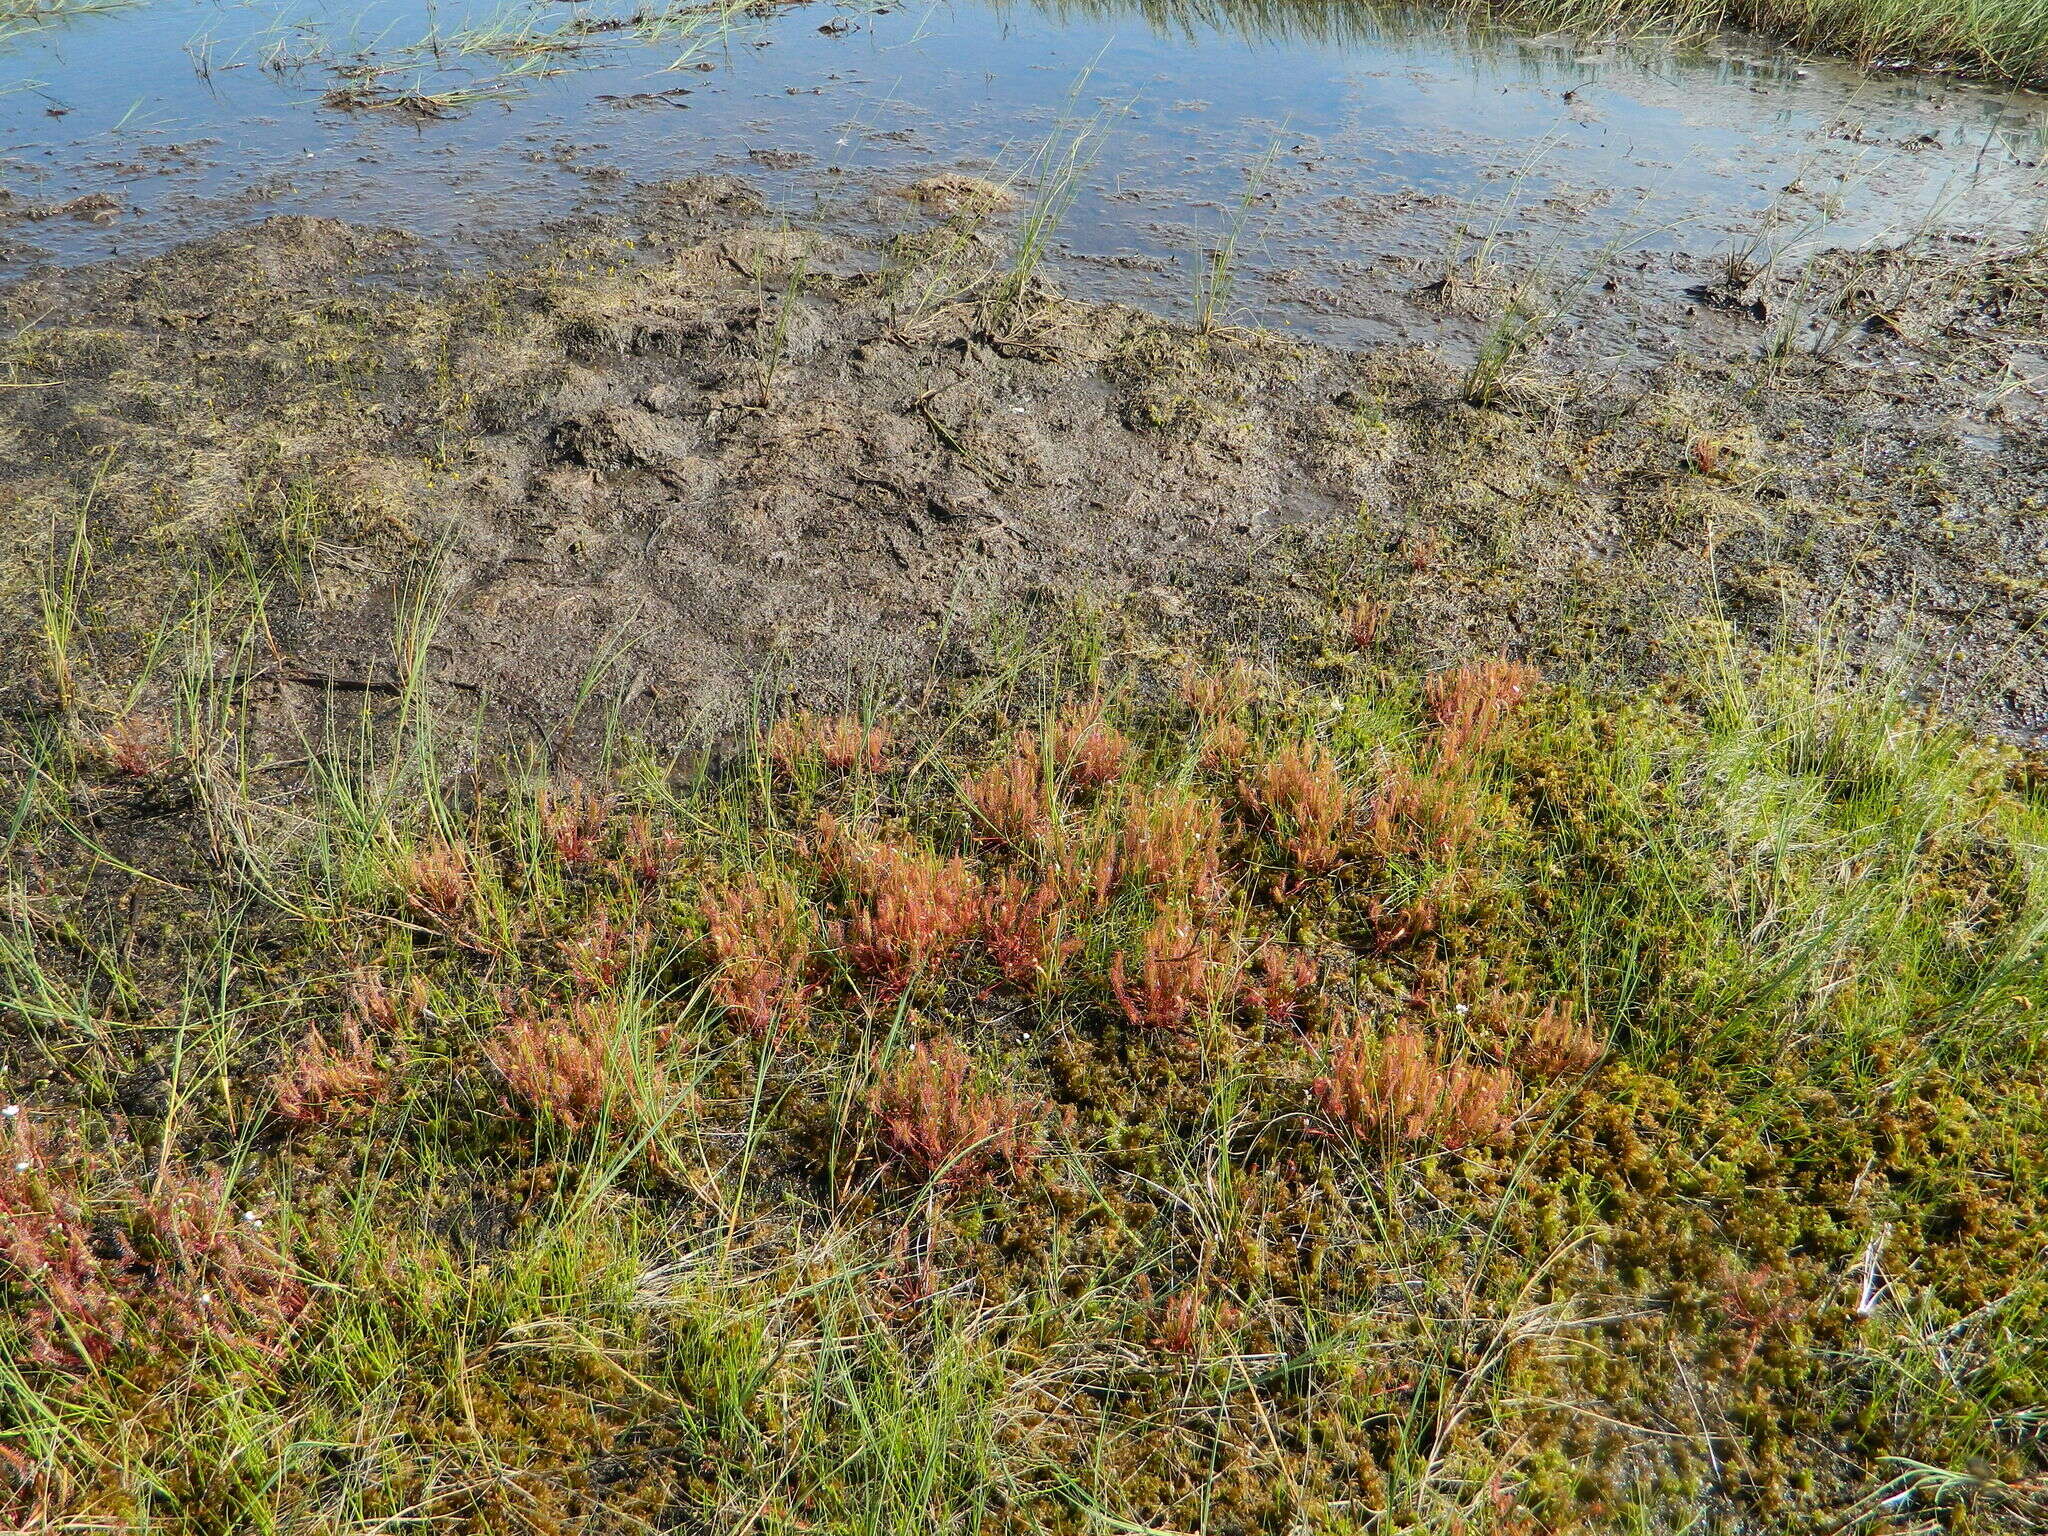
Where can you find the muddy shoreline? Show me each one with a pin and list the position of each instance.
(653, 460)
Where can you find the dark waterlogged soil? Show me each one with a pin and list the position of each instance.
(654, 457)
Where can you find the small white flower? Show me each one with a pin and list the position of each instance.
(21, 1167)
(1463, 1010)
(205, 1298)
(11, 1111)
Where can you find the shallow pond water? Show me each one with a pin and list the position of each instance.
(1343, 145)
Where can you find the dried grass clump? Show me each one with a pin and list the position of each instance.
(1469, 703)
(1171, 841)
(840, 742)
(1300, 795)
(1086, 752)
(574, 820)
(914, 909)
(1023, 928)
(956, 192)
(1181, 972)
(760, 935)
(932, 1120)
(567, 1068)
(1399, 1089)
(1009, 797)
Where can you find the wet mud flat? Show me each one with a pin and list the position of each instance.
(652, 459)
